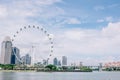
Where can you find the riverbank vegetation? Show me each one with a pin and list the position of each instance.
(46, 68)
(7, 66)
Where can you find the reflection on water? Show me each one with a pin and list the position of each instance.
(59, 76)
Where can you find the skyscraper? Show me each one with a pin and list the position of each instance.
(15, 56)
(59, 63)
(100, 67)
(81, 64)
(26, 59)
(64, 60)
(55, 61)
(6, 51)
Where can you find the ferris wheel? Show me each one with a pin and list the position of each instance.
(40, 29)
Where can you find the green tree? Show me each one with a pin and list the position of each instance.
(7, 66)
(51, 67)
(85, 69)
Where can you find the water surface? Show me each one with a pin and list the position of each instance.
(59, 75)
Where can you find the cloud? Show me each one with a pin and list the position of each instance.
(49, 2)
(30, 13)
(72, 21)
(106, 19)
(78, 43)
(109, 19)
(99, 8)
(100, 20)
(3, 11)
(113, 5)
(112, 30)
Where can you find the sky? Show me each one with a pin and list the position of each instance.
(85, 31)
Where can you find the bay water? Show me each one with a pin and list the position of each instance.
(59, 75)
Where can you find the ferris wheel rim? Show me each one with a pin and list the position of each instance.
(40, 29)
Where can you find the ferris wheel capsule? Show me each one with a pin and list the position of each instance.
(25, 27)
(12, 39)
(33, 26)
(51, 46)
(41, 29)
(14, 35)
(20, 29)
(50, 38)
(51, 42)
(48, 35)
(51, 50)
(37, 27)
(29, 26)
(17, 32)
(45, 31)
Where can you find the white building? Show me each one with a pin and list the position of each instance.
(6, 51)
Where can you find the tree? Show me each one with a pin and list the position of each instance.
(51, 67)
(7, 66)
(85, 69)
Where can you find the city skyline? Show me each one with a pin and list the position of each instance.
(11, 55)
(88, 34)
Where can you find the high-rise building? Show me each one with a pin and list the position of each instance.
(81, 64)
(64, 60)
(6, 51)
(55, 61)
(100, 66)
(15, 56)
(59, 63)
(26, 59)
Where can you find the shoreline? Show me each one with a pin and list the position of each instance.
(38, 71)
(17, 71)
(51, 71)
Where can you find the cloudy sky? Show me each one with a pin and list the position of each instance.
(83, 30)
